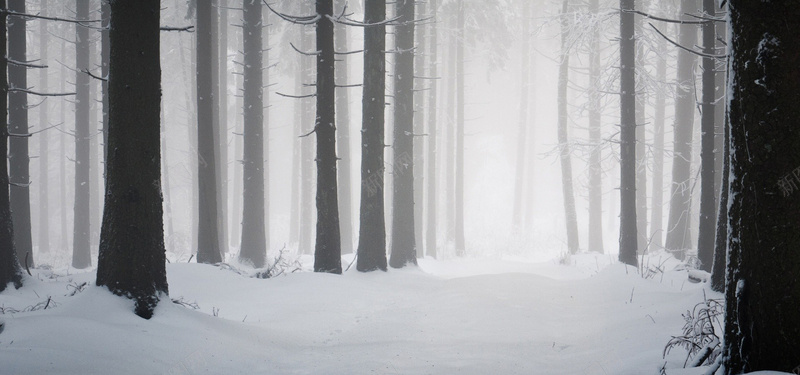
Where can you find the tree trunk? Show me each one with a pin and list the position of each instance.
(254, 242)
(459, 141)
(628, 239)
(522, 135)
(450, 139)
(44, 141)
(763, 290)
(307, 150)
(657, 205)
(132, 256)
(222, 105)
(63, 165)
(208, 243)
(165, 183)
(419, 136)
(10, 271)
(595, 158)
(570, 215)
(403, 242)
(327, 248)
(722, 160)
(431, 211)
(343, 143)
(641, 140)
(708, 200)
(678, 233)
(81, 251)
(372, 227)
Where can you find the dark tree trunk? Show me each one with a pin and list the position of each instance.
(208, 244)
(431, 211)
(419, 138)
(657, 206)
(44, 141)
(372, 230)
(641, 139)
(81, 248)
(10, 271)
(628, 239)
(595, 158)
(254, 241)
(722, 160)
(708, 199)
(132, 257)
(105, 55)
(678, 233)
(404, 249)
(327, 248)
(343, 143)
(459, 141)
(763, 290)
(522, 132)
(570, 216)
(18, 159)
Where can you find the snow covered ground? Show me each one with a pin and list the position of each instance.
(466, 316)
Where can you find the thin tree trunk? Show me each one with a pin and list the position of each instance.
(165, 183)
(343, 143)
(307, 151)
(403, 247)
(459, 141)
(708, 201)
(10, 271)
(254, 242)
(595, 158)
(63, 151)
(628, 239)
(570, 215)
(208, 243)
(238, 151)
(450, 140)
(44, 144)
(522, 135)
(222, 106)
(132, 257)
(81, 251)
(419, 136)
(678, 233)
(372, 226)
(641, 140)
(431, 211)
(657, 205)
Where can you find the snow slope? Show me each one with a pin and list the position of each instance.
(474, 316)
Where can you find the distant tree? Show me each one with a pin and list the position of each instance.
(678, 226)
(343, 132)
(762, 321)
(522, 132)
(10, 271)
(458, 191)
(431, 211)
(372, 227)
(132, 257)
(404, 249)
(595, 158)
(208, 243)
(659, 117)
(570, 215)
(44, 140)
(81, 240)
(628, 240)
(254, 238)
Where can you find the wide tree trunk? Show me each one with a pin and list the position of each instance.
(763, 290)
(431, 211)
(343, 142)
(628, 239)
(403, 245)
(570, 216)
(372, 227)
(722, 160)
(132, 258)
(208, 243)
(254, 241)
(327, 248)
(10, 271)
(81, 247)
(595, 158)
(678, 232)
(44, 141)
(708, 198)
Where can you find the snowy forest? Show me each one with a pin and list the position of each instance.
(400, 187)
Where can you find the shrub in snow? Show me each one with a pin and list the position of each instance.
(700, 336)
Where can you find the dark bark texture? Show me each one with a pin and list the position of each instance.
(708, 197)
(132, 258)
(627, 50)
(81, 238)
(763, 289)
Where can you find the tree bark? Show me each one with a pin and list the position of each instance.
(343, 143)
(132, 256)
(403, 247)
(208, 243)
(722, 159)
(81, 248)
(570, 215)
(419, 136)
(327, 248)
(10, 271)
(44, 141)
(641, 140)
(372, 227)
(678, 228)
(763, 290)
(708, 199)
(628, 239)
(254, 241)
